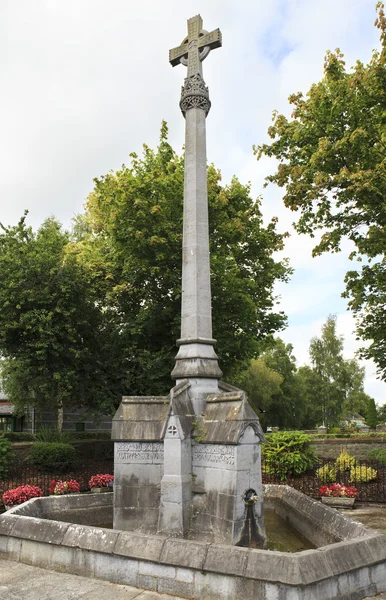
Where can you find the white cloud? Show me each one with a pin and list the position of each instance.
(86, 83)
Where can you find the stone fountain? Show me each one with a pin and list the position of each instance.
(188, 464)
(188, 494)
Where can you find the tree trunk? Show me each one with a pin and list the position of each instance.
(60, 417)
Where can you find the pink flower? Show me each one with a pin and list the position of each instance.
(60, 487)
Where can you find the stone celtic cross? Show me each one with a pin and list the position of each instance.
(195, 47)
(193, 50)
(196, 359)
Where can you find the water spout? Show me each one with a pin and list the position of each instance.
(252, 535)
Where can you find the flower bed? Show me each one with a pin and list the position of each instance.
(338, 490)
(21, 494)
(100, 481)
(58, 488)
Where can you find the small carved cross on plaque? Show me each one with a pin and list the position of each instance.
(172, 430)
(195, 47)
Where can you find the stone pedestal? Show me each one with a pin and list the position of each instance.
(192, 476)
(138, 462)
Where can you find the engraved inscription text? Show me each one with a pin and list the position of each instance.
(139, 452)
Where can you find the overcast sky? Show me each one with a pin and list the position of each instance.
(86, 82)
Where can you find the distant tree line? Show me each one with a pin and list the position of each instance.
(291, 397)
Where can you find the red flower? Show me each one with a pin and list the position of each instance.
(338, 491)
(21, 494)
(100, 480)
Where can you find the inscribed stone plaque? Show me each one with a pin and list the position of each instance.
(139, 452)
(214, 455)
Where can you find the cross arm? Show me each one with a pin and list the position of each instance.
(212, 39)
(176, 53)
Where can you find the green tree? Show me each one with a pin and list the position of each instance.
(287, 406)
(332, 164)
(310, 386)
(261, 383)
(371, 415)
(277, 391)
(326, 354)
(354, 377)
(381, 414)
(132, 235)
(60, 347)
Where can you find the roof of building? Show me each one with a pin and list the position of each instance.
(352, 416)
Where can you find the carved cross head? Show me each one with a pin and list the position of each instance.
(172, 430)
(195, 47)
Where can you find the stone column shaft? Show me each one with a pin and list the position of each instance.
(196, 358)
(196, 312)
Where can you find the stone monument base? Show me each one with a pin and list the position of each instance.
(187, 475)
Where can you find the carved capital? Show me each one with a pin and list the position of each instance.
(195, 94)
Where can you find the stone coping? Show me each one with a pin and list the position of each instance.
(364, 549)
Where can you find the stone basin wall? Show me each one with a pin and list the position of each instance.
(349, 569)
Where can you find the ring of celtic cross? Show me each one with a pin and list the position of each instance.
(189, 46)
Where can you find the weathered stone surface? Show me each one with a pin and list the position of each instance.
(41, 530)
(174, 587)
(347, 570)
(7, 523)
(148, 582)
(81, 536)
(139, 546)
(140, 418)
(229, 561)
(226, 416)
(184, 553)
(303, 513)
(139, 453)
(117, 569)
(139, 519)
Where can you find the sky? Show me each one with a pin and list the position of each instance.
(87, 82)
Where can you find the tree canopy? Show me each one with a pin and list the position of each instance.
(90, 315)
(289, 397)
(58, 346)
(332, 164)
(132, 234)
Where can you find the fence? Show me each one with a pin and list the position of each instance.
(21, 472)
(369, 477)
(370, 488)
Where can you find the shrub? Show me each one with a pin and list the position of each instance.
(345, 461)
(52, 434)
(91, 435)
(327, 472)
(52, 456)
(58, 488)
(19, 436)
(5, 451)
(362, 474)
(100, 480)
(378, 454)
(288, 453)
(21, 494)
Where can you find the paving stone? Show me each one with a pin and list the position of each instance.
(155, 596)
(110, 590)
(23, 582)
